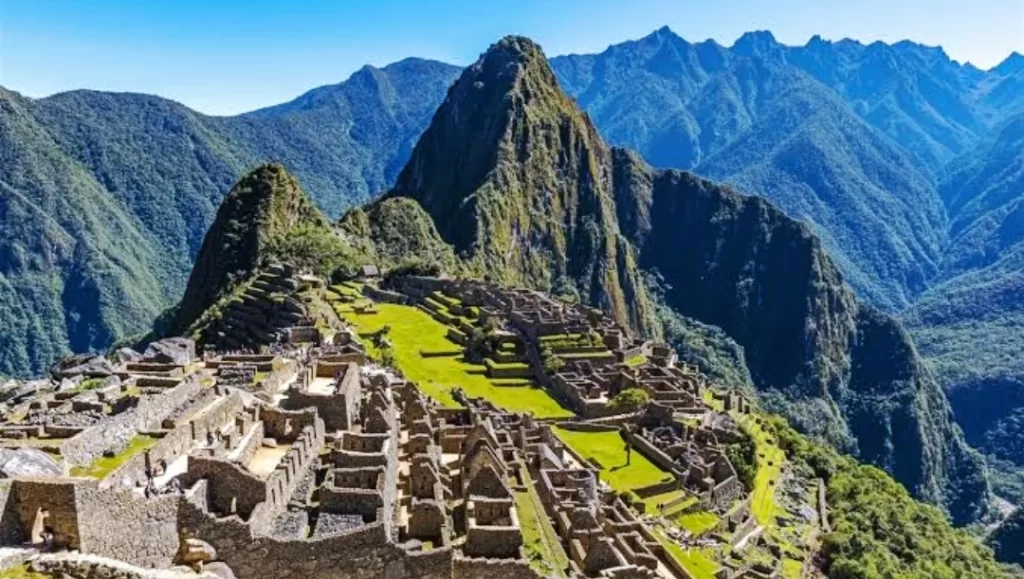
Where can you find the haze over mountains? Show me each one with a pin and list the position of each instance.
(899, 159)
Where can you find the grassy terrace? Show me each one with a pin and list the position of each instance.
(770, 459)
(698, 562)
(104, 465)
(413, 331)
(542, 544)
(608, 449)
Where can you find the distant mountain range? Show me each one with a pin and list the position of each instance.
(900, 159)
(104, 198)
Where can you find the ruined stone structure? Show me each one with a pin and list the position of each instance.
(304, 460)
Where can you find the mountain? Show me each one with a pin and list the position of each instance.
(106, 196)
(253, 224)
(845, 136)
(968, 324)
(517, 180)
(504, 127)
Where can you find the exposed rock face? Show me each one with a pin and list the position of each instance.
(82, 365)
(122, 355)
(518, 181)
(178, 351)
(27, 462)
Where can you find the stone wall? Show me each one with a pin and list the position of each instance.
(125, 525)
(654, 454)
(54, 496)
(385, 296)
(479, 568)
(364, 553)
(115, 432)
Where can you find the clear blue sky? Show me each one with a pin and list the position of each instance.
(230, 56)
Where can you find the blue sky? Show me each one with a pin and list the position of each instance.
(230, 56)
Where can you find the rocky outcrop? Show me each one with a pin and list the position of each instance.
(178, 351)
(27, 462)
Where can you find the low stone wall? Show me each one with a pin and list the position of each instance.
(653, 454)
(115, 432)
(276, 380)
(479, 568)
(385, 296)
(364, 553)
(587, 426)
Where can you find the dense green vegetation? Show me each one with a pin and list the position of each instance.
(879, 530)
(105, 198)
(968, 326)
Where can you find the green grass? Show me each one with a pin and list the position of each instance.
(770, 459)
(699, 522)
(638, 360)
(103, 465)
(21, 572)
(505, 365)
(651, 503)
(698, 562)
(413, 330)
(791, 568)
(543, 548)
(608, 448)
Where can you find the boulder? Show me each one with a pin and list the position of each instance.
(177, 351)
(219, 569)
(27, 462)
(82, 365)
(197, 551)
(67, 384)
(125, 356)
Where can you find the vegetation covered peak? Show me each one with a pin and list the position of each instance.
(265, 217)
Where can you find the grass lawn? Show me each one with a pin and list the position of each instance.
(413, 330)
(651, 503)
(542, 545)
(769, 467)
(638, 360)
(698, 522)
(103, 465)
(698, 562)
(608, 448)
(791, 568)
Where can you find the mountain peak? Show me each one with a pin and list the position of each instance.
(754, 42)
(261, 208)
(1010, 65)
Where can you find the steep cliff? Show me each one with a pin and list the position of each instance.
(517, 180)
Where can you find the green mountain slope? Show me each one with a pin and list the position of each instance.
(517, 180)
(968, 326)
(122, 187)
(76, 271)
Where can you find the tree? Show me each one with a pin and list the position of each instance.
(552, 363)
(630, 400)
